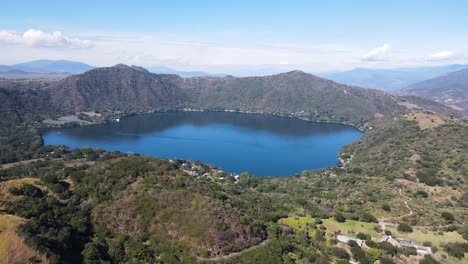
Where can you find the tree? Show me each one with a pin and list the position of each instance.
(340, 253)
(404, 227)
(386, 207)
(428, 260)
(339, 217)
(455, 250)
(448, 217)
(372, 255)
(368, 217)
(386, 260)
(362, 236)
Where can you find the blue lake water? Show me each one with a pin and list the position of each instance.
(263, 145)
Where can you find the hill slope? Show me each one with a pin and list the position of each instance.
(133, 89)
(450, 89)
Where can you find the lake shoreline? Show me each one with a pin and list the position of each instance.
(120, 116)
(260, 143)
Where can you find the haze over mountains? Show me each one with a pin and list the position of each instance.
(48, 66)
(450, 89)
(390, 79)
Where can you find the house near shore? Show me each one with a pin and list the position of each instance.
(346, 239)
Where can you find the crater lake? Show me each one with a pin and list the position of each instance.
(264, 145)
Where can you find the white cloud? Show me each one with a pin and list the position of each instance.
(378, 54)
(443, 55)
(38, 38)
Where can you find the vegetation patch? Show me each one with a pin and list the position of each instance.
(12, 247)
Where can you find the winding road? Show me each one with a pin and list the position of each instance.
(383, 222)
(235, 254)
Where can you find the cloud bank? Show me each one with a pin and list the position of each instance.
(38, 38)
(443, 55)
(378, 54)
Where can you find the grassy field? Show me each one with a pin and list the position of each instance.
(298, 223)
(351, 227)
(12, 248)
(5, 196)
(419, 236)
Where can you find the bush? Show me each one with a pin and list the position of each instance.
(407, 251)
(362, 236)
(386, 260)
(371, 244)
(448, 216)
(339, 217)
(387, 247)
(372, 255)
(368, 218)
(456, 250)
(427, 243)
(358, 254)
(340, 253)
(386, 207)
(404, 227)
(428, 260)
(422, 193)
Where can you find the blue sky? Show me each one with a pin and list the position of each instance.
(237, 35)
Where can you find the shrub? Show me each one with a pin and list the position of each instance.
(372, 255)
(340, 253)
(404, 227)
(362, 236)
(339, 217)
(448, 216)
(422, 193)
(456, 250)
(386, 260)
(371, 244)
(386, 207)
(427, 243)
(428, 260)
(387, 247)
(367, 217)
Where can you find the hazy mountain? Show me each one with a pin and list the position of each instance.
(450, 89)
(390, 79)
(48, 66)
(187, 74)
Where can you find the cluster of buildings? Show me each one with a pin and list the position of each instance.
(402, 242)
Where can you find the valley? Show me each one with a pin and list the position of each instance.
(405, 178)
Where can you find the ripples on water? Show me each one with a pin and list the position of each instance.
(264, 145)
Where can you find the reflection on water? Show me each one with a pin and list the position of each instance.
(261, 144)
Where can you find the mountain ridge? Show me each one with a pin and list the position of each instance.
(450, 89)
(123, 89)
(390, 79)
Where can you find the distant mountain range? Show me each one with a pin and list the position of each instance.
(390, 79)
(187, 74)
(133, 89)
(47, 66)
(450, 89)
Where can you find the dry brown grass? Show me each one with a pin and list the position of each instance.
(426, 120)
(408, 105)
(6, 197)
(12, 247)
